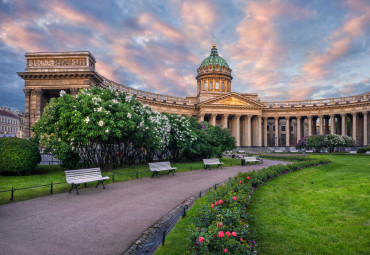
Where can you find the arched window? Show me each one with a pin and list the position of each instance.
(205, 86)
(210, 86)
(217, 85)
(223, 86)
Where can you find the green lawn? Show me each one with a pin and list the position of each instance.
(319, 210)
(48, 173)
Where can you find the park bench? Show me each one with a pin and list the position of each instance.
(254, 159)
(293, 150)
(208, 162)
(76, 177)
(241, 151)
(368, 152)
(278, 151)
(353, 152)
(161, 166)
(309, 151)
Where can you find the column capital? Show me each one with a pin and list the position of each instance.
(365, 112)
(343, 114)
(237, 115)
(27, 91)
(354, 113)
(38, 92)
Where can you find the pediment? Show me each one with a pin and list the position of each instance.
(233, 99)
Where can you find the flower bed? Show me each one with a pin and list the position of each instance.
(220, 222)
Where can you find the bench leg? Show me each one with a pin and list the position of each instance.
(102, 183)
(74, 186)
(169, 171)
(155, 173)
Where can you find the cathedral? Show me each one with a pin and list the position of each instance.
(253, 123)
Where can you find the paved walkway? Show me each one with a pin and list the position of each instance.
(101, 221)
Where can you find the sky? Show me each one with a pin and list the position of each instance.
(279, 49)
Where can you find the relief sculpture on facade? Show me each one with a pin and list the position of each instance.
(56, 62)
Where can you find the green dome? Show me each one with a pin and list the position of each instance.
(214, 59)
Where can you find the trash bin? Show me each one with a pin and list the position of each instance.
(233, 156)
(243, 162)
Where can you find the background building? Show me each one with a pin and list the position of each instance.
(251, 121)
(11, 123)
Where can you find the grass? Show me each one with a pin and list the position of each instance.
(45, 174)
(320, 210)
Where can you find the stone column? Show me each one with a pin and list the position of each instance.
(344, 124)
(354, 126)
(276, 131)
(200, 117)
(249, 130)
(287, 131)
(224, 120)
(332, 124)
(27, 116)
(38, 104)
(321, 124)
(213, 119)
(265, 120)
(299, 128)
(309, 120)
(365, 128)
(237, 129)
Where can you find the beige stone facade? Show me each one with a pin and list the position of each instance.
(252, 122)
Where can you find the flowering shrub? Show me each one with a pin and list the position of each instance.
(218, 228)
(106, 127)
(329, 141)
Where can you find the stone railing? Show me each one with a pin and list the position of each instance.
(277, 104)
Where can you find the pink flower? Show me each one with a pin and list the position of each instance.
(212, 205)
(215, 203)
(234, 198)
(201, 239)
(248, 177)
(225, 250)
(220, 201)
(219, 224)
(228, 233)
(233, 233)
(240, 181)
(221, 234)
(241, 239)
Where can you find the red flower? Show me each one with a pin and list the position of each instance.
(241, 239)
(212, 205)
(215, 203)
(220, 201)
(248, 177)
(240, 181)
(221, 234)
(228, 233)
(225, 250)
(233, 233)
(219, 224)
(201, 239)
(234, 198)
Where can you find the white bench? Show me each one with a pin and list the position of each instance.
(240, 152)
(161, 166)
(353, 152)
(76, 177)
(279, 151)
(293, 150)
(253, 159)
(208, 162)
(309, 150)
(368, 152)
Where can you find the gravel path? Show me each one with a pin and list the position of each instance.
(101, 221)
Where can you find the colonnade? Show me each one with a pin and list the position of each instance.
(266, 130)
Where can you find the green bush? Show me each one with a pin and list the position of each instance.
(363, 150)
(18, 156)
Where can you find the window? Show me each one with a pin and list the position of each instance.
(205, 86)
(268, 127)
(217, 85)
(282, 128)
(210, 86)
(273, 128)
(291, 128)
(223, 86)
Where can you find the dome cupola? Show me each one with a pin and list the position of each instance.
(214, 74)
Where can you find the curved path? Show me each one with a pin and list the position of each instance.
(101, 221)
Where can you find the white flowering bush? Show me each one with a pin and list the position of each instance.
(106, 127)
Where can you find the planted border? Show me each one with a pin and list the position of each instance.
(219, 221)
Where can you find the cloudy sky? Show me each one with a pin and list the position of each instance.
(280, 49)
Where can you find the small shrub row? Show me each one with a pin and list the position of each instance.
(220, 223)
(363, 150)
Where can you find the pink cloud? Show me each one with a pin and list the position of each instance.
(318, 64)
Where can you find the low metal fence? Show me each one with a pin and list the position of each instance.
(47, 159)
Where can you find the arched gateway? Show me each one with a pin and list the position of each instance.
(251, 121)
